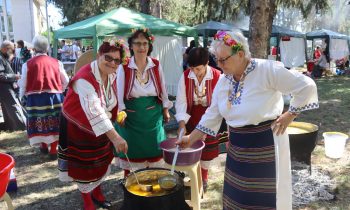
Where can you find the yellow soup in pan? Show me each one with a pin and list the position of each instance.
(148, 177)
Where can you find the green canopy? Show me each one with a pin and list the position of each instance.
(119, 22)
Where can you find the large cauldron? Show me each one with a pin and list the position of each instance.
(302, 141)
(160, 200)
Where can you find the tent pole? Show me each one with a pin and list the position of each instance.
(205, 39)
(95, 40)
(55, 43)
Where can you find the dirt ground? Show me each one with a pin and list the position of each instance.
(39, 187)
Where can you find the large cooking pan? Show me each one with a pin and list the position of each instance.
(159, 199)
(302, 141)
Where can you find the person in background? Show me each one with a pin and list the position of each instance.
(43, 82)
(317, 52)
(249, 97)
(75, 51)
(25, 53)
(87, 136)
(12, 111)
(65, 51)
(143, 96)
(193, 97)
(16, 64)
(185, 55)
(321, 65)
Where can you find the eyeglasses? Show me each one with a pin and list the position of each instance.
(222, 61)
(110, 59)
(139, 44)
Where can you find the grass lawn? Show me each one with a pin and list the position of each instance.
(39, 188)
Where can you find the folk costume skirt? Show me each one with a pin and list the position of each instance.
(43, 119)
(257, 173)
(143, 130)
(83, 157)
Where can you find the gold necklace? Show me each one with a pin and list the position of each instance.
(143, 81)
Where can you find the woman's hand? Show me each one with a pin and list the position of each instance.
(166, 115)
(120, 145)
(182, 125)
(280, 125)
(187, 141)
(118, 142)
(184, 142)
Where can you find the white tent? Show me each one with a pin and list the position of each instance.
(293, 52)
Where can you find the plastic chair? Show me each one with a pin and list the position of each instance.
(6, 164)
(194, 172)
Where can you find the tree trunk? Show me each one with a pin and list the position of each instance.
(262, 13)
(145, 6)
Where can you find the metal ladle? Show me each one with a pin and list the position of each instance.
(168, 182)
(143, 187)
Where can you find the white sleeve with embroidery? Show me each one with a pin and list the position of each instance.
(302, 88)
(121, 86)
(63, 76)
(181, 102)
(211, 120)
(166, 102)
(91, 105)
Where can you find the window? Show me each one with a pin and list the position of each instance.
(2, 23)
(8, 7)
(9, 20)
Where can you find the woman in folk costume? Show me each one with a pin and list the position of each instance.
(193, 97)
(249, 97)
(142, 95)
(87, 135)
(43, 82)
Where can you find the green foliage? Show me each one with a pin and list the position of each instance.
(78, 10)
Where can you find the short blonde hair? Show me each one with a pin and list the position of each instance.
(238, 37)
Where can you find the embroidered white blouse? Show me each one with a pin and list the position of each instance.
(139, 90)
(22, 83)
(181, 101)
(259, 98)
(91, 103)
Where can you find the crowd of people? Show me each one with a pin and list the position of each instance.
(239, 100)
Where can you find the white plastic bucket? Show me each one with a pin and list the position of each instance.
(334, 143)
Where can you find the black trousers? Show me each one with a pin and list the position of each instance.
(12, 110)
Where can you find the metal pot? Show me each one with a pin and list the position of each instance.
(185, 157)
(302, 141)
(157, 199)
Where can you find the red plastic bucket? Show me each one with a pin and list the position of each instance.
(6, 164)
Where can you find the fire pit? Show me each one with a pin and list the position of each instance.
(302, 141)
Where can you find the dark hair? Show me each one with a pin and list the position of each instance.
(137, 34)
(189, 48)
(20, 43)
(198, 56)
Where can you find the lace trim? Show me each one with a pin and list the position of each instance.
(303, 108)
(205, 130)
(236, 94)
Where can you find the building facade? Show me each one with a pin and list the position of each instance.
(22, 19)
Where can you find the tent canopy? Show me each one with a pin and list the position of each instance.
(324, 33)
(211, 27)
(279, 31)
(283, 31)
(120, 21)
